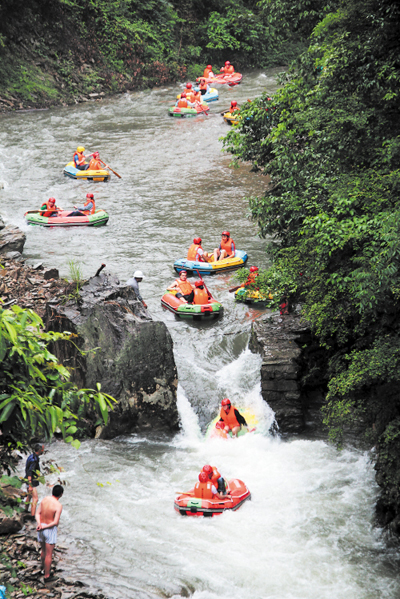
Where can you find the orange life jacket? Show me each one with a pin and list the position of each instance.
(230, 70)
(251, 278)
(49, 210)
(227, 245)
(208, 73)
(215, 476)
(81, 158)
(191, 255)
(200, 296)
(229, 418)
(182, 103)
(203, 86)
(95, 165)
(203, 490)
(184, 287)
(196, 96)
(92, 209)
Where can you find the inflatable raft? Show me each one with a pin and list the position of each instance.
(210, 311)
(99, 218)
(230, 80)
(71, 171)
(211, 96)
(231, 119)
(216, 430)
(184, 112)
(250, 296)
(211, 268)
(187, 504)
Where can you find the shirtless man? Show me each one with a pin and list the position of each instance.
(47, 517)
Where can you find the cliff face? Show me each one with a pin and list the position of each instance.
(129, 354)
(287, 351)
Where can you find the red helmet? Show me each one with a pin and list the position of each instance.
(209, 66)
(197, 240)
(226, 402)
(208, 470)
(253, 268)
(227, 63)
(226, 233)
(203, 478)
(233, 103)
(52, 200)
(183, 272)
(96, 154)
(90, 196)
(199, 283)
(183, 95)
(188, 85)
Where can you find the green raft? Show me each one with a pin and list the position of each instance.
(99, 218)
(184, 112)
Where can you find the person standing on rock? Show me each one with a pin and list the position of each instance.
(134, 283)
(47, 518)
(32, 473)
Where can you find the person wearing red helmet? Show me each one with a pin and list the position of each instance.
(49, 208)
(228, 69)
(185, 290)
(89, 207)
(230, 418)
(204, 489)
(216, 479)
(208, 72)
(204, 88)
(234, 107)
(251, 279)
(95, 164)
(201, 295)
(183, 101)
(226, 248)
(196, 252)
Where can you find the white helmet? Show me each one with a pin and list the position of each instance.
(138, 274)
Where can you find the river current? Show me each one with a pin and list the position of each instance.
(308, 531)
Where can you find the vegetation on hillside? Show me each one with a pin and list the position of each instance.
(330, 142)
(64, 50)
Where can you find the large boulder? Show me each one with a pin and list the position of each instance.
(288, 354)
(12, 239)
(128, 353)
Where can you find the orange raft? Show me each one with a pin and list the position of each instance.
(189, 505)
(231, 80)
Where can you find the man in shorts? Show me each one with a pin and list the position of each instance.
(47, 518)
(32, 473)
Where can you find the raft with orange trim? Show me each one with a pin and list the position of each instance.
(71, 171)
(210, 311)
(216, 429)
(211, 268)
(187, 504)
(183, 112)
(99, 218)
(230, 80)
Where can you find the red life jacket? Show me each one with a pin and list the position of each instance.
(49, 210)
(227, 246)
(182, 103)
(191, 255)
(200, 296)
(91, 210)
(203, 490)
(184, 286)
(229, 418)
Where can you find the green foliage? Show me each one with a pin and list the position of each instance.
(75, 271)
(36, 397)
(329, 142)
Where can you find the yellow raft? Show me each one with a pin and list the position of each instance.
(70, 170)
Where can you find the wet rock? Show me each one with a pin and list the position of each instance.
(285, 345)
(51, 273)
(12, 239)
(133, 361)
(10, 523)
(2, 223)
(13, 256)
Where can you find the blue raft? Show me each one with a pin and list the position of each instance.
(211, 96)
(212, 268)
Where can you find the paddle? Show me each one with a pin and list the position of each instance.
(106, 165)
(205, 110)
(183, 493)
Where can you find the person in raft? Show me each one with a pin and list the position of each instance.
(95, 164)
(89, 207)
(204, 489)
(196, 252)
(228, 69)
(47, 518)
(226, 248)
(204, 88)
(234, 107)
(216, 479)
(253, 274)
(230, 418)
(185, 289)
(134, 283)
(183, 102)
(49, 208)
(208, 72)
(80, 159)
(201, 295)
(191, 95)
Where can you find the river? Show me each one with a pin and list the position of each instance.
(308, 530)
